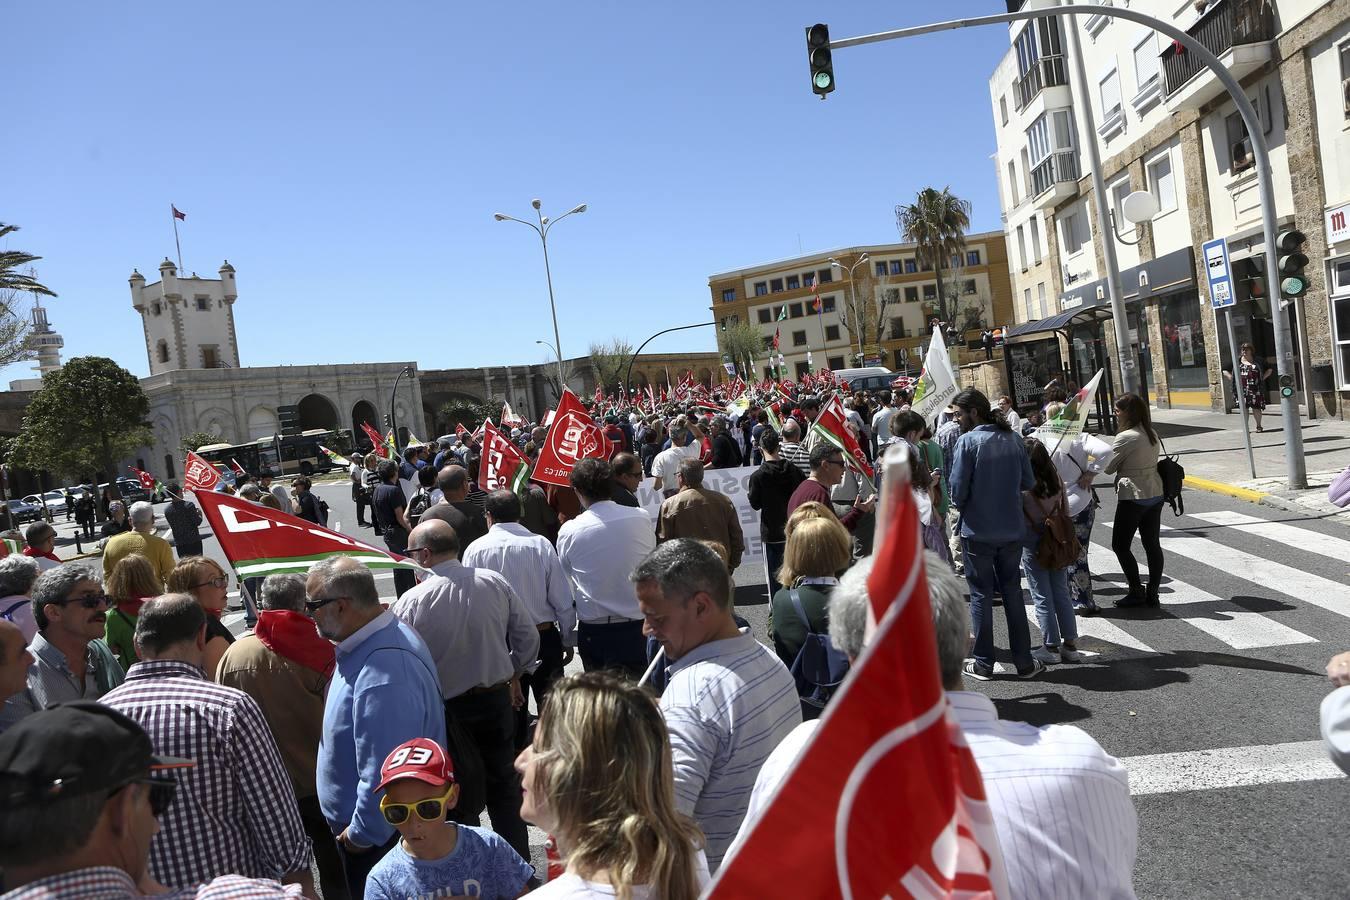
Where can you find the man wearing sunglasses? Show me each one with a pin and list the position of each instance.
(81, 794)
(435, 857)
(827, 470)
(69, 662)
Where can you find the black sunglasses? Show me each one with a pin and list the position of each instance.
(93, 601)
(162, 793)
(316, 605)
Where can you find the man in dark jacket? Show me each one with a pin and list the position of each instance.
(771, 486)
(184, 519)
(726, 454)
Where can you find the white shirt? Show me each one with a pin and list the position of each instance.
(1061, 804)
(667, 462)
(599, 549)
(530, 565)
(475, 626)
(1014, 420)
(1335, 722)
(573, 887)
(881, 422)
(1085, 453)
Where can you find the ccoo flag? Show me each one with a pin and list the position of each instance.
(502, 466)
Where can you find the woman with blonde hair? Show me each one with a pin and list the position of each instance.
(599, 778)
(818, 551)
(130, 583)
(204, 579)
(811, 509)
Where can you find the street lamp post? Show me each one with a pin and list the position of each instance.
(393, 408)
(853, 304)
(628, 375)
(542, 229)
(559, 357)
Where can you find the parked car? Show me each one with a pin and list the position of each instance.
(878, 380)
(130, 489)
(55, 502)
(21, 511)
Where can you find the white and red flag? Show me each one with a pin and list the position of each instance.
(199, 475)
(376, 441)
(886, 799)
(572, 435)
(460, 431)
(502, 466)
(238, 469)
(831, 426)
(509, 418)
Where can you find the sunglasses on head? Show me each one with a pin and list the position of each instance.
(431, 809)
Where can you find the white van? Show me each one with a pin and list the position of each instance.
(848, 375)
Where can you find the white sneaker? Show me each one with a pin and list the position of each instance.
(1071, 656)
(1046, 655)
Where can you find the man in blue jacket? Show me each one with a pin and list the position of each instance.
(989, 471)
(384, 692)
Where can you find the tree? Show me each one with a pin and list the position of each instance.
(89, 414)
(741, 344)
(936, 221)
(549, 372)
(12, 263)
(610, 362)
(17, 277)
(469, 412)
(191, 442)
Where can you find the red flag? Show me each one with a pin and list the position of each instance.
(198, 474)
(148, 482)
(238, 469)
(177, 214)
(571, 436)
(831, 426)
(599, 399)
(376, 439)
(816, 307)
(502, 465)
(777, 335)
(260, 541)
(460, 431)
(904, 808)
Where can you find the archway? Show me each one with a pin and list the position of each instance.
(317, 411)
(363, 412)
(262, 422)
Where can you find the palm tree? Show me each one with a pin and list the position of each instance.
(937, 222)
(11, 261)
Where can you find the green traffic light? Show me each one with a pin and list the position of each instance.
(823, 80)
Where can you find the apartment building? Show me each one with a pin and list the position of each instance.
(876, 303)
(1164, 124)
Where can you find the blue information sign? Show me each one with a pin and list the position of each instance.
(1219, 274)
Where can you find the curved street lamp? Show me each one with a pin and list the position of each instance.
(393, 413)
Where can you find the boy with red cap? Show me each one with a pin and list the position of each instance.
(437, 858)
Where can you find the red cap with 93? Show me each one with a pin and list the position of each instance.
(422, 759)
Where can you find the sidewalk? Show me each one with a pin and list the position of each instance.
(1210, 446)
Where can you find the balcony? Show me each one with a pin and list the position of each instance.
(1238, 32)
(1056, 179)
(1048, 71)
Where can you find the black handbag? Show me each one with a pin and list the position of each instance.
(1173, 477)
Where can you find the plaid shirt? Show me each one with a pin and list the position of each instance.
(235, 812)
(108, 883)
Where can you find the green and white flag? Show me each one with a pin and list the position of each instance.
(937, 381)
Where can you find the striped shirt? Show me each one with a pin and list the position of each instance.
(108, 883)
(727, 705)
(796, 454)
(235, 812)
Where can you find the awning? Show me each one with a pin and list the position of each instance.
(1061, 321)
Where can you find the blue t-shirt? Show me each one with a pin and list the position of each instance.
(481, 865)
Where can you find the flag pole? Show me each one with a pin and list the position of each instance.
(177, 246)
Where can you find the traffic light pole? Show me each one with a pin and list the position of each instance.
(1295, 464)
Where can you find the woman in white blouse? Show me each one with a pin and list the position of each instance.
(1078, 462)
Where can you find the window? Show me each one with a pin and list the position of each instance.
(1012, 182)
(972, 257)
(768, 343)
(1345, 76)
(204, 303)
(1034, 226)
(1003, 108)
(911, 295)
(881, 267)
(895, 267)
(799, 338)
(809, 279)
(1161, 183)
(1022, 246)
(930, 292)
(1119, 191)
(209, 360)
(801, 369)
(1146, 63)
(168, 465)
(1240, 156)
(792, 283)
(1026, 304)
(728, 295)
(968, 286)
(926, 266)
(1040, 299)
(1071, 234)
(1113, 116)
(761, 288)
(826, 276)
(795, 310)
(911, 267)
(775, 285)
(765, 315)
(162, 349)
(827, 304)
(831, 332)
(156, 308)
(835, 362)
(1340, 316)
(956, 260)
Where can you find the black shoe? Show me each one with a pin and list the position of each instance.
(1151, 596)
(1088, 609)
(1134, 598)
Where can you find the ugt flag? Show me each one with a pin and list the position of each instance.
(937, 381)
(572, 435)
(258, 540)
(885, 801)
(199, 475)
(502, 466)
(1069, 423)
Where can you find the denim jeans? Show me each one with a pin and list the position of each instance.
(1050, 593)
(773, 557)
(990, 569)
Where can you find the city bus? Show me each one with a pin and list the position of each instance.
(296, 454)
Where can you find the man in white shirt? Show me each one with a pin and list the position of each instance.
(599, 550)
(1061, 804)
(881, 422)
(667, 462)
(1009, 413)
(531, 566)
(481, 640)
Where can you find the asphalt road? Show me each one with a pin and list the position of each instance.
(1211, 701)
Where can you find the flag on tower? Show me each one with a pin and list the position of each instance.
(177, 214)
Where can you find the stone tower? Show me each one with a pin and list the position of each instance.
(188, 322)
(45, 342)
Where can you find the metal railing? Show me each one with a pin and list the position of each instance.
(1226, 24)
(1048, 71)
(1060, 166)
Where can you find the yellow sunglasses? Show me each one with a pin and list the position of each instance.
(431, 809)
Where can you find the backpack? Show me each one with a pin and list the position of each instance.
(1058, 547)
(1173, 476)
(819, 667)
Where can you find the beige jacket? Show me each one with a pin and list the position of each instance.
(1135, 465)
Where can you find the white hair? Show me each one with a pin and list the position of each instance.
(141, 514)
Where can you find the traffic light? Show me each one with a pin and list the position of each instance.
(1293, 281)
(388, 421)
(818, 52)
(1251, 279)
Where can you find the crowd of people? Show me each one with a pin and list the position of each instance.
(351, 744)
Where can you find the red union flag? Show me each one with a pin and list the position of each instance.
(502, 466)
(830, 425)
(460, 431)
(198, 474)
(885, 801)
(260, 541)
(571, 436)
(148, 482)
(381, 449)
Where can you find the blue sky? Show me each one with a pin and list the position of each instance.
(347, 160)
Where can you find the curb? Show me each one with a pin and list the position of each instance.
(1219, 487)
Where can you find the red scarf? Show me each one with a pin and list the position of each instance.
(133, 606)
(35, 553)
(292, 635)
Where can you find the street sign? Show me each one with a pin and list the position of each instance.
(1219, 274)
(288, 418)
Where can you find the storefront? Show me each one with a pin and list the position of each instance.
(1338, 291)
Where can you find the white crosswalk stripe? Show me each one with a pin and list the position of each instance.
(1280, 533)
